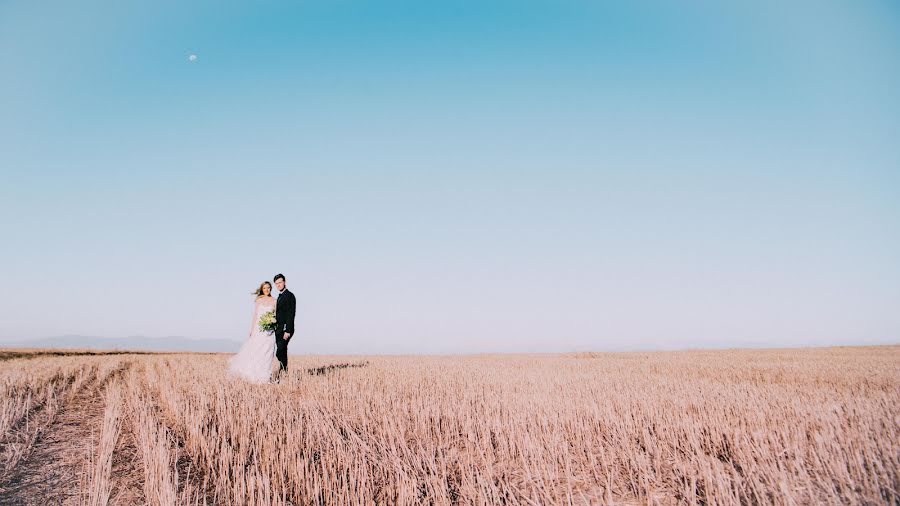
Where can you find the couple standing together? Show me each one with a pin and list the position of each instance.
(254, 360)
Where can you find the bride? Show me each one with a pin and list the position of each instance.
(254, 360)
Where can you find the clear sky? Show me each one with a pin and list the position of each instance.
(456, 176)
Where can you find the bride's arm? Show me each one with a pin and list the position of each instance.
(255, 313)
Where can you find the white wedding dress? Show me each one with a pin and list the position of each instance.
(254, 360)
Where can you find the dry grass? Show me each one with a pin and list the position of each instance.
(701, 427)
(99, 484)
(155, 444)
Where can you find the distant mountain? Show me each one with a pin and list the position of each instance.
(136, 343)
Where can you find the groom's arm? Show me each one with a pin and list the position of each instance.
(291, 310)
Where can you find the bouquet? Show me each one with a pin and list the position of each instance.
(267, 322)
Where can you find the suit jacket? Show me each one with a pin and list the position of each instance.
(285, 309)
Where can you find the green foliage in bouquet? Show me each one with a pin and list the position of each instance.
(267, 322)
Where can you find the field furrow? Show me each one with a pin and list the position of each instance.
(48, 461)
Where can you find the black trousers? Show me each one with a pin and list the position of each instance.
(281, 350)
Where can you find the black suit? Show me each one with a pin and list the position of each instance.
(285, 309)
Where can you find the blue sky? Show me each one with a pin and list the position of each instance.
(454, 176)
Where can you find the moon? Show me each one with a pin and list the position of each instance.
(192, 58)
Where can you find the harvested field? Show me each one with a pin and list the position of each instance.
(792, 426)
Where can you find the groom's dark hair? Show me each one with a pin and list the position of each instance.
(279, 276)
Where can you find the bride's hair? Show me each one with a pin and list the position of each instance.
(259, 291)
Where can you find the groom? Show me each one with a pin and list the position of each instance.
(284, 321)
